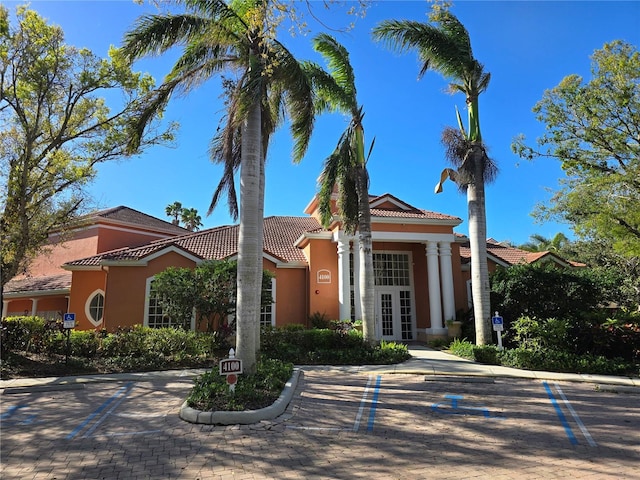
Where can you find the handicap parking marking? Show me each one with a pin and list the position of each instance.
(19, 415)
(454, 407)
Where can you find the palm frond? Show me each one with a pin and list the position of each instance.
(337, 58)
(339, 171)
(329, 96)
(436, 49)
(290, 74)
(155, 34)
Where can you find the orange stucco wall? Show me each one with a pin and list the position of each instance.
(83, 244)
(111, 238)
(83, 284)
(126, 290)
(24, 306)
(291, 296)
(323, 297)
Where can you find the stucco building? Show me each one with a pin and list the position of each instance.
(103, 272)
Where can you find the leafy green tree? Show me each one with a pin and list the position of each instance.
(593, 129)
(177, 293)
(238, 37)
(346, 167)
(208, 291)
(55, 128)
(445, 47)
(192, 221)
(546, 291)
(622, 271)
(174, 210)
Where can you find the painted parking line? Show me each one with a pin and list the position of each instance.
(560, 413)
(363, 403)
(121, 394)
(576, 418)
(374, 404)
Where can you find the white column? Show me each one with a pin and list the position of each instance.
(5, 308)
(344, 286)
(34, 307)
(433, 279)
(446, 270)
(356, 277)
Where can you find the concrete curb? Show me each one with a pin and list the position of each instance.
(246, 417)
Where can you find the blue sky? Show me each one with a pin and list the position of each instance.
(528, 46)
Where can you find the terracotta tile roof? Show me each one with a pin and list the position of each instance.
(37, 284)
(218, 243)
(508, 254)
(417, 213)
(133, 217)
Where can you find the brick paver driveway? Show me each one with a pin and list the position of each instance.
(338, 425)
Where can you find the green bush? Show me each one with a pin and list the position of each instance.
(557, 361)
(487, 354)
(26, 333)
(462, 348)
(211, 392)
(84, 344)
(319, 320)
(337, 347)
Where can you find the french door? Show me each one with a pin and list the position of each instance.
(394, 298)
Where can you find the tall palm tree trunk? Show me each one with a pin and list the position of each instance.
(259, 271)
(250, 242)
(366, 280)
(478, 242)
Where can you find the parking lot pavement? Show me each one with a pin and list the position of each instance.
(339, 425)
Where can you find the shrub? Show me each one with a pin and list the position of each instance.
(557, 361)
(545, 291)
(462, 348)
(487, 354)
(336, 347)
(211, 392)
(82, 343)
(319, 320)
(27, 333)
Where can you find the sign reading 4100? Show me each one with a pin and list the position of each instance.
(230, 365)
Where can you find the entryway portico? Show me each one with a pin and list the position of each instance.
(396, 288)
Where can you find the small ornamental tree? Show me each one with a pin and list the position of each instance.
(207, 290)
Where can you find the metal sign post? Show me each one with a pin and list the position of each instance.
(69, 322)
(498, 326)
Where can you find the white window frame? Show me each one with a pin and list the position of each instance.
(87, 307)
(272, 307)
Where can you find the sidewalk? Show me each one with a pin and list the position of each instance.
(424, 361)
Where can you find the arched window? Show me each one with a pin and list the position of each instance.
(94, 307)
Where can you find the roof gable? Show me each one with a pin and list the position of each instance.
(130, 216)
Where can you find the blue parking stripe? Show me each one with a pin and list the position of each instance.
(374, 403)
(563, 419)
(98, 410)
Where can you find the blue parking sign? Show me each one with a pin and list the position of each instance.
(498, 324)
(69, 320)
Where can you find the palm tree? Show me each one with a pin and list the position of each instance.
(446, 48)
(192, 221)
(174, 210)
(346, 166)
(540, 243)
(237, 38)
